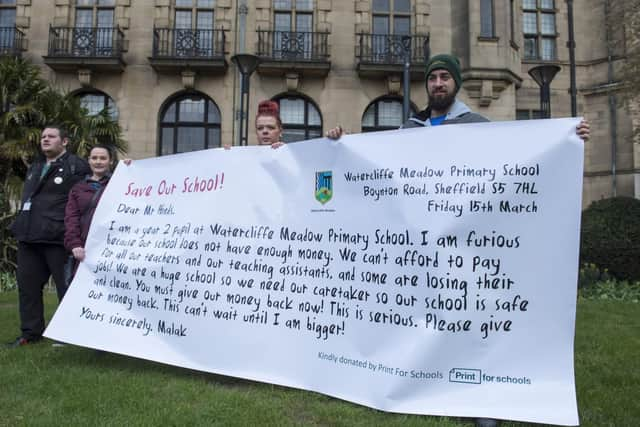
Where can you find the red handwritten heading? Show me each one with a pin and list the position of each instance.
(189, 185)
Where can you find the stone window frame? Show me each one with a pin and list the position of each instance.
(293, 11)
(391, 14)
(112, 106)
(375, 105)
(487, 20)
(95, 9)
(310, 130)
(195, 8)
(176, 123)
(7, 36)
(539, 36)
(528, 114)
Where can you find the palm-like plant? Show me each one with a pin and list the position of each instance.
(27, 104)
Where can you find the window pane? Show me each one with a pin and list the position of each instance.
(381, 6)
(167, 141)
(113, 110)
(170, 114)
(214, 138)
(96, 102)
(106, 2)
(84, 18)
(190, 128)
(105, 18)
(184, 3)
(205, 20)
(486, 18)
(295, 128)
(85, 2)
(304, 4)
(206, 3)
(292, 111)
(283, 22)
(401, 25)
(546, 4)
(92, 103)
(8, 2)
(530, 23)
(522, 114)
(282, 4)
(183, 19)
(369, 117)
(7, 35)
(213, 115)
(7, 17)
(380, 25)
(530, 48)
(529, 4)
(402, 6)
(314, 116)
(548, 49)
(304, 22)
(190, 139)
(292, 135)
(314, 133)
(548, 24)
(191, 110)
(389, 113)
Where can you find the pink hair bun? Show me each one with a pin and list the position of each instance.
(268, 108)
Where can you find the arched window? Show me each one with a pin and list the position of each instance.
(96, 101)
(187, 123)
(383, 114)
(301, 119)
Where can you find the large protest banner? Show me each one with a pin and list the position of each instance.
(423, 271)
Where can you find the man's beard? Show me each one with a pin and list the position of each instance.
(441, 103)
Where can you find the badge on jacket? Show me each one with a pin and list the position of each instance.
(57, 180)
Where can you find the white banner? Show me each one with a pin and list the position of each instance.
(423, 271)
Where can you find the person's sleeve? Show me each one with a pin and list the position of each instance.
(72, 231)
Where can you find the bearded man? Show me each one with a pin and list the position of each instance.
(444, 80)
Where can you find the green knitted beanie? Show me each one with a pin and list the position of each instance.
(445, 62)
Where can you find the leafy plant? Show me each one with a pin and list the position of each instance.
(590, 275)
(612, 290)
(610, 237)
(7, 281)
(27, 104)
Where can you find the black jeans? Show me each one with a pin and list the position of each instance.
(36, 263)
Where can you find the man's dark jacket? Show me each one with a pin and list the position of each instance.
(44, 221)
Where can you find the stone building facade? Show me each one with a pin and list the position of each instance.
(164, 67)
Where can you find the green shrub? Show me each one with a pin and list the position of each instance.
(8, 245)
(590, 275)
(610, 237)
(612, 290)
(7, 281)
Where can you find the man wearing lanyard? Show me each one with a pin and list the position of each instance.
(39, 228)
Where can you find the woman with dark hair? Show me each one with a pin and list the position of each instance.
(83, 199)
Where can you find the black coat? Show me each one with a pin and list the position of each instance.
(44, 221)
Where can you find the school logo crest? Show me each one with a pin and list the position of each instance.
(324, 186)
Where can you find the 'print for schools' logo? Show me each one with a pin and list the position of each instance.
(324, 186)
